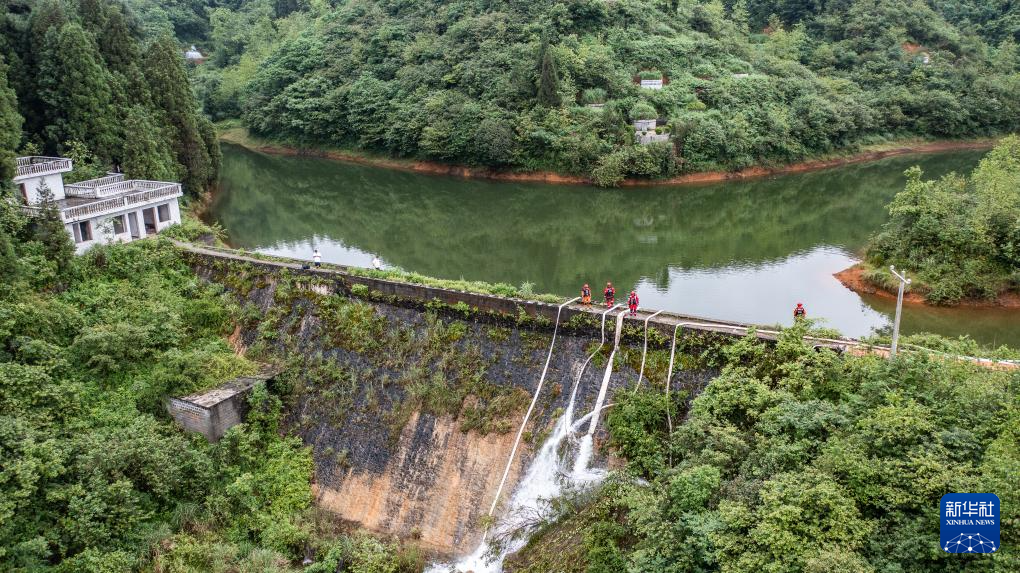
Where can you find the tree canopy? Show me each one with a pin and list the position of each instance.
(745, 83)
(84, 72)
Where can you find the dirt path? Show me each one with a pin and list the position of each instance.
(853, 279)
(437, 168)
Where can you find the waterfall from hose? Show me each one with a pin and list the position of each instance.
(541, 483)
(585, 449)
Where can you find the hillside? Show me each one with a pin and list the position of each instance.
(508, 84)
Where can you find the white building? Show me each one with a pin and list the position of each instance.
(105, 210)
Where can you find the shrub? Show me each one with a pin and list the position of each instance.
(650, 75)
(643, 111)
(593, 95)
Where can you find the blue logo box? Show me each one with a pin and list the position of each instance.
(969, 522)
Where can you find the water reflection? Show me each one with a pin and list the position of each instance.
(744, 251)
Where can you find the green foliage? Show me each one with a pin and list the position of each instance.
(795, 460)
(495, 85)
(10, 125)
(643, 110)
(959, 235)
(87, 80)
(93, 474)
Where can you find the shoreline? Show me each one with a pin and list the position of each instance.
(551, 177)
(853, 279)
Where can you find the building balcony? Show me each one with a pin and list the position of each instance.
(132, 193)
(112, 184)
(35, 166)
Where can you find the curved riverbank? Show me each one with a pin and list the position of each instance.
(853, 279)
(240, 136)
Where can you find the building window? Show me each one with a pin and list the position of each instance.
(118, 224)
(164, 213)
(82, 232)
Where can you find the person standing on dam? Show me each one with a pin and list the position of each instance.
(586, 295)
(317, 258)
(632, 303)
(799, 313)
(609, 294)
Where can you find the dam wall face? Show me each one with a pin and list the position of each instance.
(410, 397)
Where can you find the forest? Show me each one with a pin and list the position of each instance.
(82, 79)
(961, 233)
(555, 85)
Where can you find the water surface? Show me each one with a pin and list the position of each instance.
(744, 250)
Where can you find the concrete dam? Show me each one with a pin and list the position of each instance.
(412, 397)
(412, 404)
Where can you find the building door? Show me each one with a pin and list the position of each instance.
(133, 225)
(149, 218)
(24, 192)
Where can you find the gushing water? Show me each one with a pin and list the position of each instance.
(543, 482)
(585, 449)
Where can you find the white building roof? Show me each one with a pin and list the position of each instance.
(110, 194)
(193, 54)
(37, 166)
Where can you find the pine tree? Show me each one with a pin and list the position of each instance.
(10, 127)
(147, 153)
(548, 76)
(74, 85)
(172, 96)
(48, 229)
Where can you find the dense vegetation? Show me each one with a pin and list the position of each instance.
(959, 234)
(94, 477)
(89, 87)
(511, 85)
(797, 460)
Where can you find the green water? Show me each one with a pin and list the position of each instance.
(745, 251)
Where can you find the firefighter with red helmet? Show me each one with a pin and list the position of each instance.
(609, 294)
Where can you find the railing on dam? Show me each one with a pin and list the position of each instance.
(663, 321)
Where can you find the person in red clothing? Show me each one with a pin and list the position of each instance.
(632, 303)
(609, 294)
(799, 313)
(586, 295)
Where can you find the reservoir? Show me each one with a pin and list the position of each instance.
(745, 250)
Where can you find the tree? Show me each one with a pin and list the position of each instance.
(75, 88)
(10, 127)
(172, 96)
(48, 228)
(147, 153)
(548, 76)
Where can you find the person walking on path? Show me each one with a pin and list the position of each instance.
(586, 295)
(609, 294)
(799, 313)
(317, 258)
(632, 303)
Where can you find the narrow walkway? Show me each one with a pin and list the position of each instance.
(661, 318)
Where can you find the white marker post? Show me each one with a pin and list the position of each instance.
(904, 281)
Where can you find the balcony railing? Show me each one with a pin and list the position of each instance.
(154, 191)
(95, 188)
(37, 165)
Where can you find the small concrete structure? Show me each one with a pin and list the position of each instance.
(651, 137)
(194, 56)
(652, 84)
(105, 210)
(644, 132)
(644, 124)
(214, 412)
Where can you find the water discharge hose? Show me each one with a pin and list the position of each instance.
(644, 353)
(531, 407)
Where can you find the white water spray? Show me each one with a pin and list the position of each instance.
(586, 447)
(542, 483)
